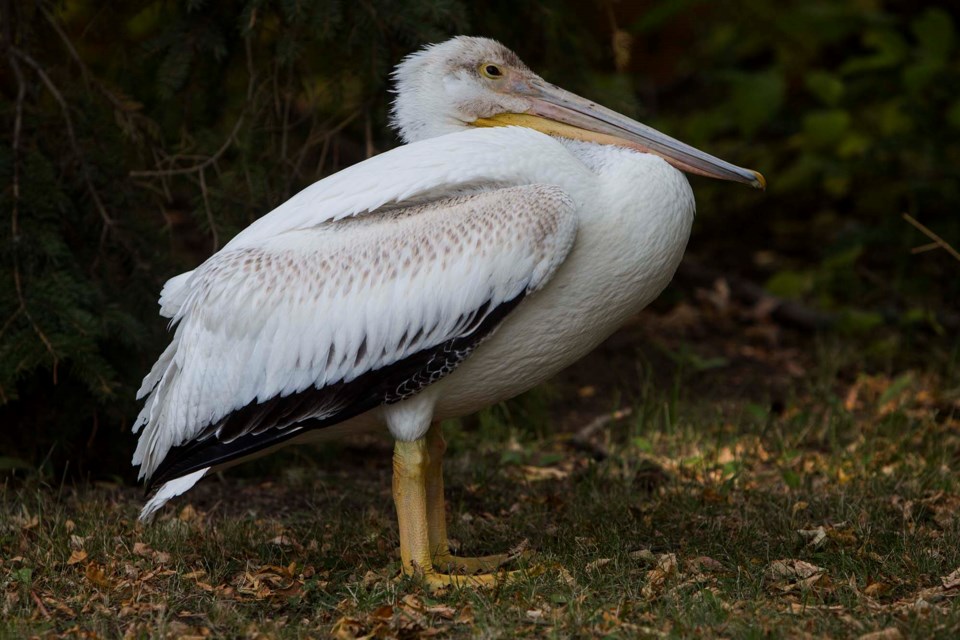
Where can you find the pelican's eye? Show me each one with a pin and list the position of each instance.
(491, 71)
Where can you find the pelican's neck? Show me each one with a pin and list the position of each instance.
(635, 181)
(638, 220)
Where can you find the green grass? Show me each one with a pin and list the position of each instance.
(690, 526)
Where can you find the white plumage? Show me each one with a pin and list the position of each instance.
(517, 229)
(275, 315)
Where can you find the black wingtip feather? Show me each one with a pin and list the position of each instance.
(243, 432)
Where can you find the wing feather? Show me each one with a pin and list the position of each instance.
(305, 313)
(464, 162)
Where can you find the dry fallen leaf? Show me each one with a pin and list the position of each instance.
(466, 615)
(890, 633)
(875, 589)
(536, 474)
(383, 613)
(643, 554)
(187, 514)
(656, 577)
(97, 575)
(77, 556)
(596, 564)
(789, 574)
(814, 537)
(566, 576)
(442, 610)
(951, 581)
(704, 563)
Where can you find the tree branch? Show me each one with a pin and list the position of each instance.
(15, 210)
(71, 135)
(937, 240)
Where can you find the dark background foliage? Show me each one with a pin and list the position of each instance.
(140, 136)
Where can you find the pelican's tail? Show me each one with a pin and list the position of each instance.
(168, 490)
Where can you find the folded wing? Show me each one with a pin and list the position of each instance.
(312, 326)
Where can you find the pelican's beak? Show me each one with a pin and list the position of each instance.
(557, 112)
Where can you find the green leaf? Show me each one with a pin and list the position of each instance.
(853, 145)
(512, 457)
(889, 50)
(758, 412)
(790, 284)
(824, 128)
(755, 99)
(892, 119)
(896, 387)
(919, 76)
(855, 321)
(660, 13)
(843, 260)
(935, 33)
(548, 459)
(953, 115)
(791, 478)
(827, 87)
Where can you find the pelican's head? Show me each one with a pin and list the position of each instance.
(477, 82)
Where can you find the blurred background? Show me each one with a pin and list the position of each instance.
(139, 137)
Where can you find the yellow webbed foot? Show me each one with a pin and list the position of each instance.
(450, 563)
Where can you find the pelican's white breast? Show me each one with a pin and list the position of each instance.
(635, 216)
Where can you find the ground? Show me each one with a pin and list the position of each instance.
(706, 473)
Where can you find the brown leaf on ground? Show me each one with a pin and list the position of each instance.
(841, 534)
(77, 556)
(657, 577)
(383, 613)
(537, 474)
(643, 554)
(269, 581)
(876, 589)
(703, 563)
(945, 508)
(97, 574)
(465, 616)
(951, 581)
(814, 537)
(789, 574)
(890, 633)
(596, 564)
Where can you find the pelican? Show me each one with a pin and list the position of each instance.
(517, 227)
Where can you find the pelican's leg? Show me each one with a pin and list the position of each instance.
(437, 516)
(410, 463)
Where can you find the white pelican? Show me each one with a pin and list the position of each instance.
(518, 227)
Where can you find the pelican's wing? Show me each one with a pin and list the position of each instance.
(462, 162)
(313, 326)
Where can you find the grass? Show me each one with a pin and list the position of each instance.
(825, 506)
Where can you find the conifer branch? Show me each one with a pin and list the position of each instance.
(22, 308)
(71, 135)
(198, 167)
